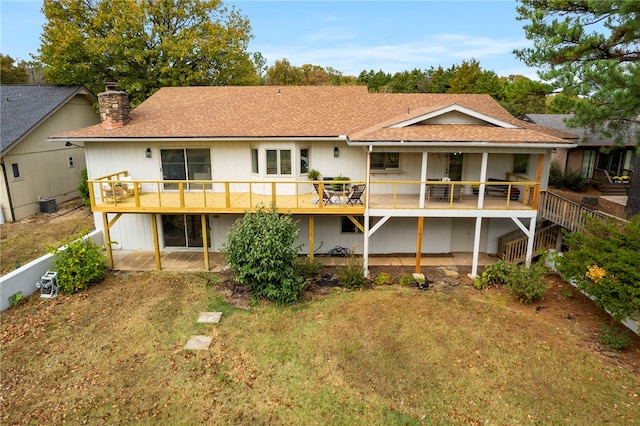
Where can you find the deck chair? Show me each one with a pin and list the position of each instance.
(326, 197)
(129, 187)
(110, 191)
(356, 194)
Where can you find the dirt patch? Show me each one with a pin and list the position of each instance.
(27, 239)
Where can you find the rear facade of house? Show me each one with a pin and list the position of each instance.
(411, 174)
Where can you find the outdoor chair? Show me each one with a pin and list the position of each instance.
(326, 196)
(129, 187)
(356, 194)
(111, 191)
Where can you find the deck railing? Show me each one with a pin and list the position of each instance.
(514, 250)
(118, 190)
(565, 212)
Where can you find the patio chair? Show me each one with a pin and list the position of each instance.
(326, 196)
(356, 194)
(129, 187)
(111, 192)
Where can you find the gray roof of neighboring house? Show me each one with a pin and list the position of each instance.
(557, 121)
(24, 107)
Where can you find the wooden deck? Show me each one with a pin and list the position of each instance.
(218, 203)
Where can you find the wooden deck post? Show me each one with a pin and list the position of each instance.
(536, 189)
(419, 243)
(107, 239)
(156, 245)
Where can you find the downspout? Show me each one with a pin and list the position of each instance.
(365, 250)
(6, 183)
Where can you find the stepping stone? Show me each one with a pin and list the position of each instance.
(197, 343)
(210, 317)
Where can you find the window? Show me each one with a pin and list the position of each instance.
(304, 160)
(278, 161)
(254, 161)
(16, 170)
(520, 163)
(385, 160)
(186, 164)
(588, 162)
(71, 162)
(349, 226)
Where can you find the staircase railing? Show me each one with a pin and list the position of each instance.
(565, 212)
(513, 248)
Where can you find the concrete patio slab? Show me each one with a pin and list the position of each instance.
(198, 343)
(209, 317)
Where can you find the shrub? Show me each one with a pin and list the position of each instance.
(83, 187)
(15, 299)
(407, 280)
(614, 338)
(80, 264)
(492, 275)
(383, 278)
(526, 283)
(568, 179)
(260, 251)
(603, 261)
(351, 274)
(310, 268)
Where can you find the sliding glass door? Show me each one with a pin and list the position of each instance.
(186, 164)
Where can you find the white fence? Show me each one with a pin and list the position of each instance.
(24, 279)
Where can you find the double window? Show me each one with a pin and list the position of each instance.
(186, 164)
(278, 161)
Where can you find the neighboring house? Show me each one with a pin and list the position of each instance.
(593, 152)
(436, 173)
(32, 168)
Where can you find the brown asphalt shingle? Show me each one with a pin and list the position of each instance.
(309, 111)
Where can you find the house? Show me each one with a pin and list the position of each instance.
(437, 173)
(32, 168)
(593, 153)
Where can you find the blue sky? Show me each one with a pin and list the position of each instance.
(349, 36)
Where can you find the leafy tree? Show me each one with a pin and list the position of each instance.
(10, 73)
(143, 45)
(589, 49)
(260, 251)
(603, 261)
(282, 73)
(376, 82)
(524, 96)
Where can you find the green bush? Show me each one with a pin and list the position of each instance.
(407, 280)
(603, 261)
(383, 278)
(614, 338)
(83, 187)
(260, 251)
(15, 299)
(567, 179)
(309, 268)
(351, 274)
(526, 284)
(492, 275)
(80, 264)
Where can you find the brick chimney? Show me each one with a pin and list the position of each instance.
(114, 107)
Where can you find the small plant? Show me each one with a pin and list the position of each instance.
(339, 186)
(566, 293)
(614, 338)
(383, 278)
(493, 275)
(313, 174)
(351, 274)
(15, 299)
(526, 284)
(407, 280)
(310, 268)
(83, 187)
(80, 264)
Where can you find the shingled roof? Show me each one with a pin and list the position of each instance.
(315, 111)
(24, 107)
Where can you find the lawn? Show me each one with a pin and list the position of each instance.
(390, 355)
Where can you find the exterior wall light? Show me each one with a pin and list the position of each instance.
(336, 152)
(147, 153)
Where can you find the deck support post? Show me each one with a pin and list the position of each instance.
(107, 239)
(531, 240)
(156, 245)
(419, 243)
(205, 241)
(476, 248)
(311, 236)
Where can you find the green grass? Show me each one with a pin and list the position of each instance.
(388, 356)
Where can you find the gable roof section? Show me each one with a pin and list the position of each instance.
(308, 112)
(583, 136)
(24, 107)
